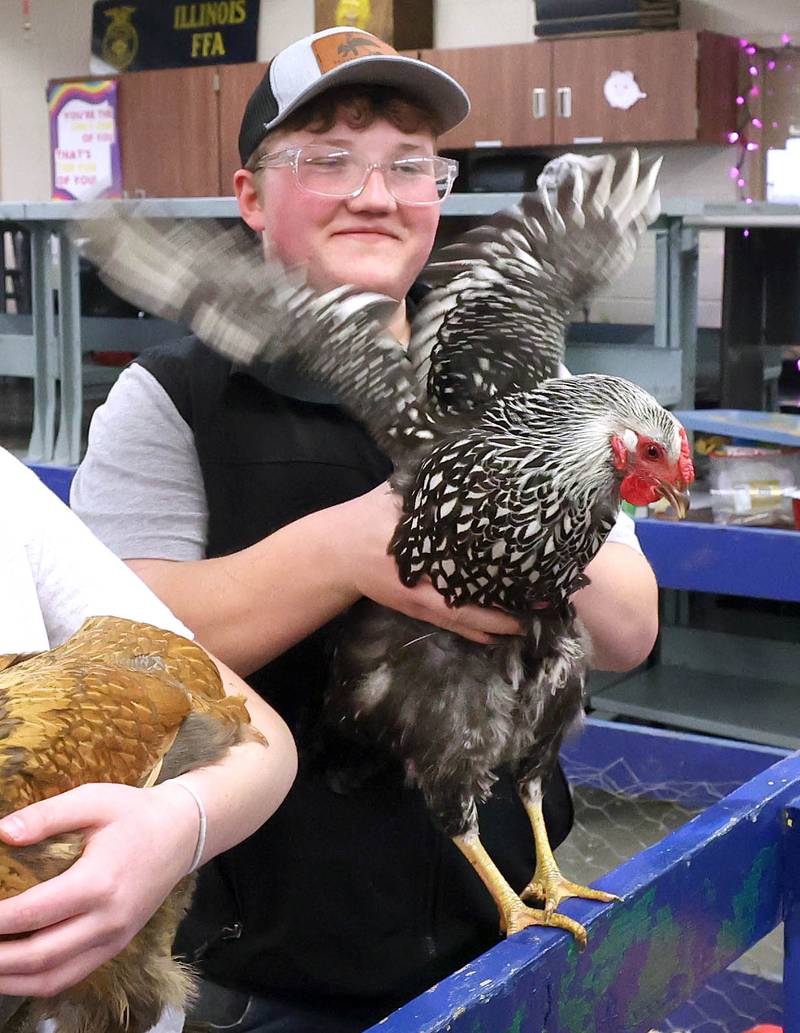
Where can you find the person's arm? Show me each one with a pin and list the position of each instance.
(252, 605)
(139, 843)
(620, 607)
(140, 486)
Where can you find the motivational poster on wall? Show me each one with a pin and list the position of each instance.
(85, 159)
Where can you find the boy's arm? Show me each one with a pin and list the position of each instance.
(253, 605)
(619, 608)
(140, 490)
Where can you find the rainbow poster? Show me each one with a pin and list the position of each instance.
(85, 160)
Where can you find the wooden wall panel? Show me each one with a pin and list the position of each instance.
(169, 133)
(236, 83)
(718, 69)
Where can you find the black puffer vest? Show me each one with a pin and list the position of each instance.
(353, 899)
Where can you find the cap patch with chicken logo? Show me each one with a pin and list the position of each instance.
(333, 50)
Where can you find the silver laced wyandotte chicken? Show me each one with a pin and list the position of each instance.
(510, 479)
(121, 702)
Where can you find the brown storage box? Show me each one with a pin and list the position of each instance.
(405, 24)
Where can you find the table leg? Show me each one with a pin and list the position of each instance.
(40, 448)
(68, 443)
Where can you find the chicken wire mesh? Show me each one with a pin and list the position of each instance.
(612, 824)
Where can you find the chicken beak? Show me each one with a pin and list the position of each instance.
(678, 496)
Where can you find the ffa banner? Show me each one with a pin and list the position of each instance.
(165, 34)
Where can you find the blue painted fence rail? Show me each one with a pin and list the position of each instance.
(57, 478)
(791, 929)
(758, 562)
(689, 769)
(690, 905)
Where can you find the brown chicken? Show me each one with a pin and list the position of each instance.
(117, 702)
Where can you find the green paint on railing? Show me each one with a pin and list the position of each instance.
(516, 1025)
(737, 933)
(579, 993)
(663, 969)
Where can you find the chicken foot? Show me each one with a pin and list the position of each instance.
(548, 884)
(514, 914)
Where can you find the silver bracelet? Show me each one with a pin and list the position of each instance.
(203, 827)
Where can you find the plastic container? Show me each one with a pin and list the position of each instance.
(755, 486)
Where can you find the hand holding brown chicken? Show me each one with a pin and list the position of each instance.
(119, 702)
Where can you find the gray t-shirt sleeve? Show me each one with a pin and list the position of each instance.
(140, 488)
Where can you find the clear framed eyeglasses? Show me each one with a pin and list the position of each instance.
(336, 172)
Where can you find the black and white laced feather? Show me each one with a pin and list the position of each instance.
(496, 317)
(506, 475)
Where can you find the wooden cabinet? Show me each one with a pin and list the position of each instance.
(637, 88)
(169, 133)
(510, 90)
(680, 86)
(179, 129)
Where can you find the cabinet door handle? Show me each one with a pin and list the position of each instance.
(539, 102)
(564, 95)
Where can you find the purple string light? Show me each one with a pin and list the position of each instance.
(742, 136)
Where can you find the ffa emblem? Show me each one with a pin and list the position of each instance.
(121, 41)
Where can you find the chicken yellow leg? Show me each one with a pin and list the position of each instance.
(514, 914)
(548, 884)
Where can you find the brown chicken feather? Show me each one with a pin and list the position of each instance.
(119, 702)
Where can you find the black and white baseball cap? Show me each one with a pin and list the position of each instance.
(334, 57)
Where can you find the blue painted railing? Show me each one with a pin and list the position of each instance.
(691, 904)
(57, 478)
(791, 917)
(758, 562)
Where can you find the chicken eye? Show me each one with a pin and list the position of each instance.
(653, 452)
